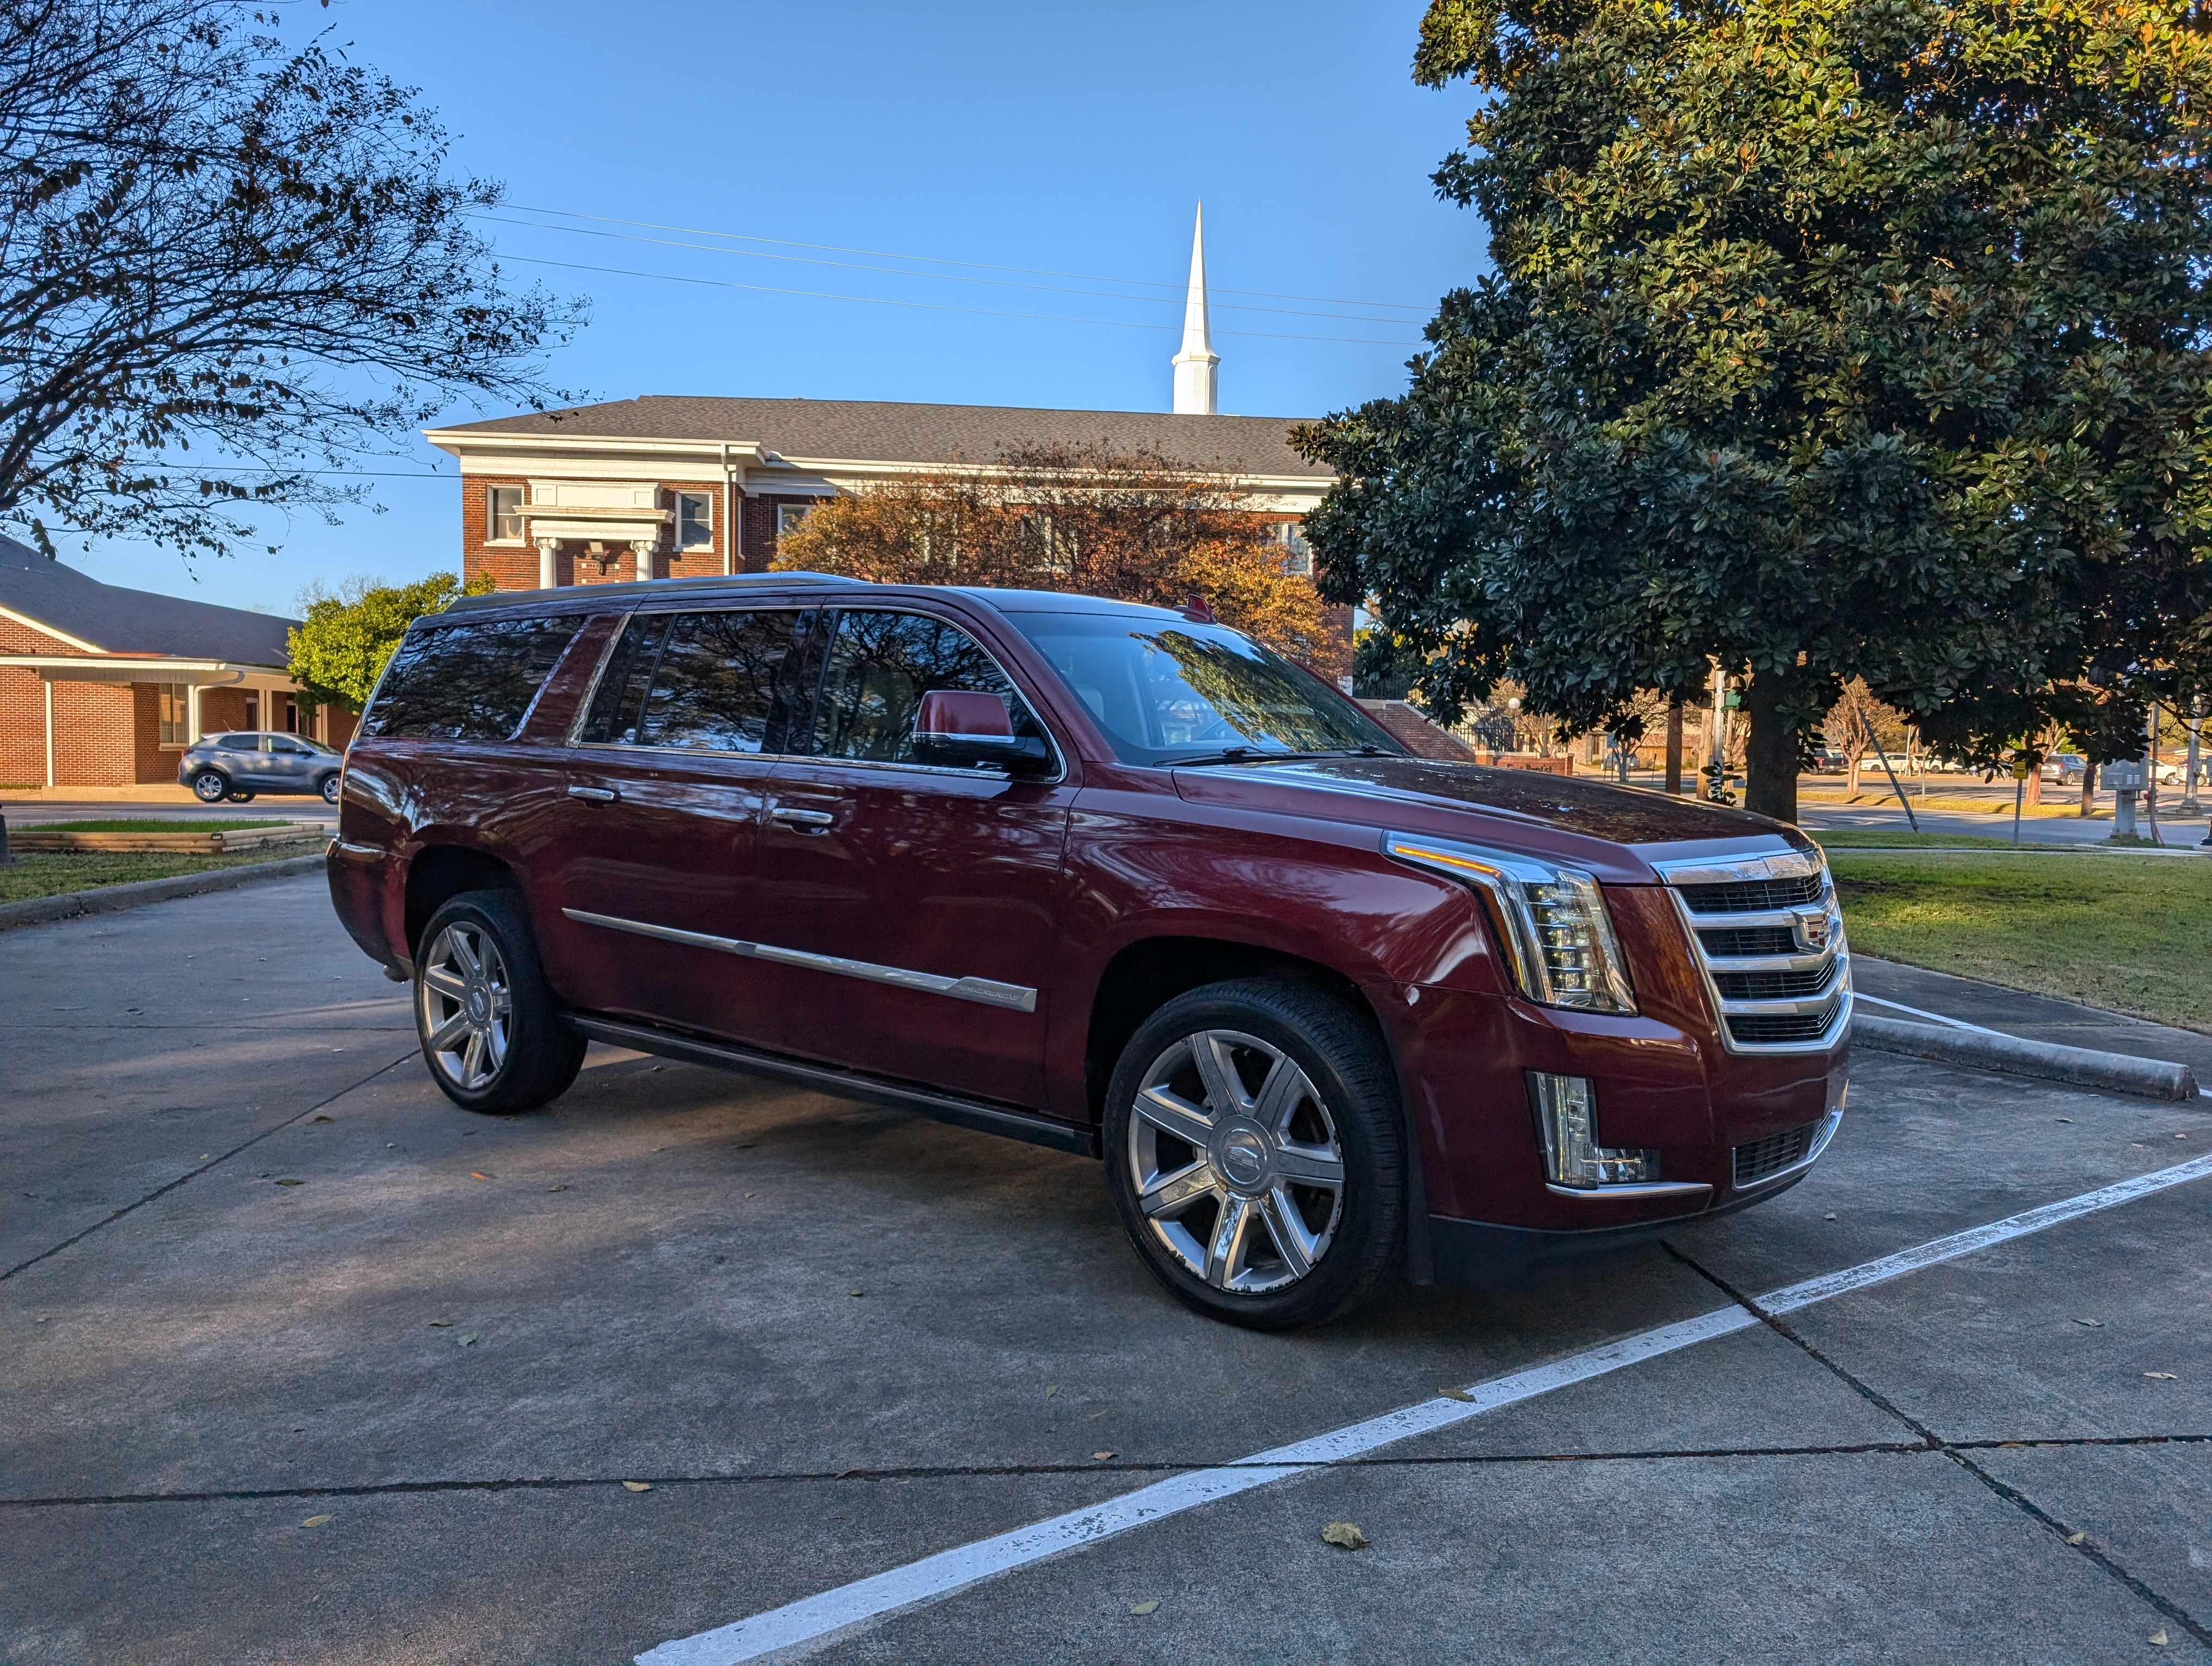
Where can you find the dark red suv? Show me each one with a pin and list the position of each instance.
(1107, 877)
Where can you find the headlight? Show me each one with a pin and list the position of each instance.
(1553, 920)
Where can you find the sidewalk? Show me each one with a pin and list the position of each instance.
(2014, 1012)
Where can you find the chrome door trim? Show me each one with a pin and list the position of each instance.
(984, 991)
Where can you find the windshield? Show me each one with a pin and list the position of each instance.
(1168, 692)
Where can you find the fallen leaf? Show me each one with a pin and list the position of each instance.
(2066, 1119)
(638, 1486)
(2076, 1538)
(1344, 1535)
(464, 1339)
(1831, 1215)
(556, 1188)
(1460, 1395)
(323, 1119)
(2158, 1638)
(858, 1293)
(316, 1521)
(291, 1182)
(2162, 1375)
(752, 1194)
(2093, 1324)
(1103, 1457)
(1051, 1390)
(475, 1174)
(1144, 1608)
(442, 1325)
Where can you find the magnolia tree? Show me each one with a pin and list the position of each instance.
(1086, 519)
(1825, 339)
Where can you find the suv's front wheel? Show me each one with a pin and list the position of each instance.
(1253, 1152)
(491, 1032)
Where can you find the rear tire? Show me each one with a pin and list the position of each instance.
(490, 1030)
(329, 789)
(210, 787)
(1255, 1153)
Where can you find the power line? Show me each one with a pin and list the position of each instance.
(936, 260)
(937, 277)
(936, 306)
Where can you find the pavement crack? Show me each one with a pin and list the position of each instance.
(1959, 1452)
(193, 1173)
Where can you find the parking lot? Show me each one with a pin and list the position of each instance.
(302, 1364)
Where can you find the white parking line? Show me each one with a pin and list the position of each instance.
(816, 1621)
(1919, 1012)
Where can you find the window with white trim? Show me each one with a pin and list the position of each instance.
(790, 517)
(694, 520)
(503, 514)
(176, 713)
(1298, 554)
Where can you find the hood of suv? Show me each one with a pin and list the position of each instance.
(1592, 823)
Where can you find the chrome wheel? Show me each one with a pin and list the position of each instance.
(466, 1007)
(1237, 1162)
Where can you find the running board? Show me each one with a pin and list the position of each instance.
(847, 1084)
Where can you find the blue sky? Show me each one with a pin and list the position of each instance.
(1050, 148)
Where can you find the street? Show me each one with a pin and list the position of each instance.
(305, 1364)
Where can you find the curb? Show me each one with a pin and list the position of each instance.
(2082, 1066)
(107, 899)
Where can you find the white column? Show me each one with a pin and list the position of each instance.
(730, 512)
(49, 684)
(642, 548)
(191, 714)
(549, 571)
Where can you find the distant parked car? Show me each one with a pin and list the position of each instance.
(1829, 762)
(2066, 768)
(239, 765)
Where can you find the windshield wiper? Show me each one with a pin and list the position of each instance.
(1246, 755)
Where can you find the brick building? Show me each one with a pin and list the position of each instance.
(101, 686)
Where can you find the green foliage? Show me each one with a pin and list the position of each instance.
(339, 649)
(1833, 339)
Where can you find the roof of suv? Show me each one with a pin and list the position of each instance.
(597, 595)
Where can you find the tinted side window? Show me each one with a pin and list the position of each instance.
(467, 682)
(723, 681)
(239, 743)
(879, 667)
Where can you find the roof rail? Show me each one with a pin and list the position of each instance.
(636, 588)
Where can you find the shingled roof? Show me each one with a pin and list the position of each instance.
(881, 430)
(114, 620)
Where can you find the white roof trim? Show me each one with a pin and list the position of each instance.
(44, 629)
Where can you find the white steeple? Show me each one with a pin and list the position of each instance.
(1195, 365)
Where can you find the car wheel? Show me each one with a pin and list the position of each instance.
(329, 789)
(1254, 1152)
(210, 787)
(491, 1032)
(239, 795)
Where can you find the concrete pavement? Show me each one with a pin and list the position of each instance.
(656, 1277)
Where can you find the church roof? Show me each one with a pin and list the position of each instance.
(109, 619)
(880, 430)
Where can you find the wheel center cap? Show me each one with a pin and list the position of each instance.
(1243, 1158)
(479, 1006)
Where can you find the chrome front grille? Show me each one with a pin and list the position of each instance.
(1769, 939)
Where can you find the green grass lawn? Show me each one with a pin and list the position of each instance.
(149, 824)
(2130, 934)
(51, 872)
(1875, 839)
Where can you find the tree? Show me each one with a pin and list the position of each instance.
(224, 266)
(1856, 723)
(338, 651)
(1087, 519)
(1827, 338)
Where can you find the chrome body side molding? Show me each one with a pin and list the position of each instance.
(984, 991)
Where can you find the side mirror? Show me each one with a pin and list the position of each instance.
(960, 729)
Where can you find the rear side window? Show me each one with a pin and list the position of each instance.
(880, 665)
(725, 681)
(467, 682)
(239, 743)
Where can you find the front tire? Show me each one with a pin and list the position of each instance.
(490, 1031)
(239, 795)
(1256, 1154)
(210, 787)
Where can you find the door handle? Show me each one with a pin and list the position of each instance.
(594, 794)
(806, 818)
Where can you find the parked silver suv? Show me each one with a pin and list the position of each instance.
(238, 765)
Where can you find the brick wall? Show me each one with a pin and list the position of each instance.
(221, 709)
(22, 728)
(516, 569)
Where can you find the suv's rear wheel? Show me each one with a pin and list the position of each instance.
(1254, 1150)
(209, 787)
(490, 1031)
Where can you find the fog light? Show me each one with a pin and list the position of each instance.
(1567, 1122)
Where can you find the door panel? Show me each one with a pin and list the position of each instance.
(942, 885)
(666, 787)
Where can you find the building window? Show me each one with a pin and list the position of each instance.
(503, 514)
(694, 520)
(790, 517)
(176, 714)
(1298, 554)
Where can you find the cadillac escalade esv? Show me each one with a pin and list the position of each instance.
(1109, 878)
